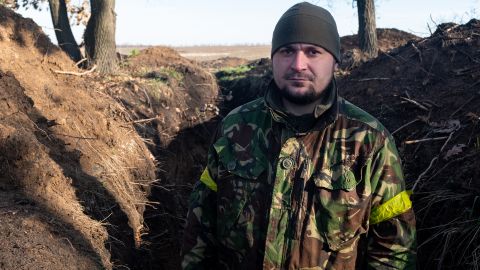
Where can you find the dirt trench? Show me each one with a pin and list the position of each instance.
(95, 172)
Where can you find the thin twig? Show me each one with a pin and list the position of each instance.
(444, 249)
(469, 56)
(158, 235)
(392, 57)
(446, 142)
(426, 140)
(76, 73)
(463, 105)
(81, 61)
(8, 212)
(407, 124)
(433, 161)
(407, 94)
(448, 164)
(75, 137)
(418, 51)
(429, 29)
(415, 103)
(424, 172)
(430, 103)
(68, 240)
(43, 131)
(148, 98)
(144, 120)
(473, 85)
(433, 61)
(434, 22)
(372, 79)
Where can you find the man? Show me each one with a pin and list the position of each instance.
(301, 179)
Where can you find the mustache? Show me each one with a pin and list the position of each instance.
(298, 76)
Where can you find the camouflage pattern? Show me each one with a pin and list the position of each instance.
(290, 200)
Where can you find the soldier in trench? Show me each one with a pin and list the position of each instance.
(301, 178)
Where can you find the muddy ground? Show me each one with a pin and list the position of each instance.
(95, 171)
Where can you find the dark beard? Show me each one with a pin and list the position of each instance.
(308, 97)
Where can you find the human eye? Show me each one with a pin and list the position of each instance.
(313, 52)
(286, 51)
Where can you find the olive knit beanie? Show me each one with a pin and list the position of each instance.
(307, 23)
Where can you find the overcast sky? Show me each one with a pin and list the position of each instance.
(227, 22)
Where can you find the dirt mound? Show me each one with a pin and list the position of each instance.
(51, 247)
(387, 39)
(171, 91)
(241, 84)
(33, 186)
(224, 62)
(157, 57)
(166, 96)
(73, 174)
(427, 94)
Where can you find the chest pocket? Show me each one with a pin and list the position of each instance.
(241, 181)
(340, 207)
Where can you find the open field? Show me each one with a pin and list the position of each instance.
(206, 52)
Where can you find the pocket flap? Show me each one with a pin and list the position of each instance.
(338, 177)
(239, 161)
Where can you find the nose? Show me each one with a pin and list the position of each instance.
(299, 61)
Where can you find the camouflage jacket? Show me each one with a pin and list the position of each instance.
(274, 198)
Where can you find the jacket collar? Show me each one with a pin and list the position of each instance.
(324, 113)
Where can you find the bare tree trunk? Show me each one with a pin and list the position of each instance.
(63, 31)
(367, 28)
(99, 37)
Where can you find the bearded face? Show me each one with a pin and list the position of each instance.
(302, 72)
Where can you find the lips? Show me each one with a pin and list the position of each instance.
(298, 77)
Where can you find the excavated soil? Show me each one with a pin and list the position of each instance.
(224, 62)
(172, 102)
(74, 175)
(387, 39)
(427, 93)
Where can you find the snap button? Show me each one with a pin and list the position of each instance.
(287, 163)
(350, 180)
(231, 165)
